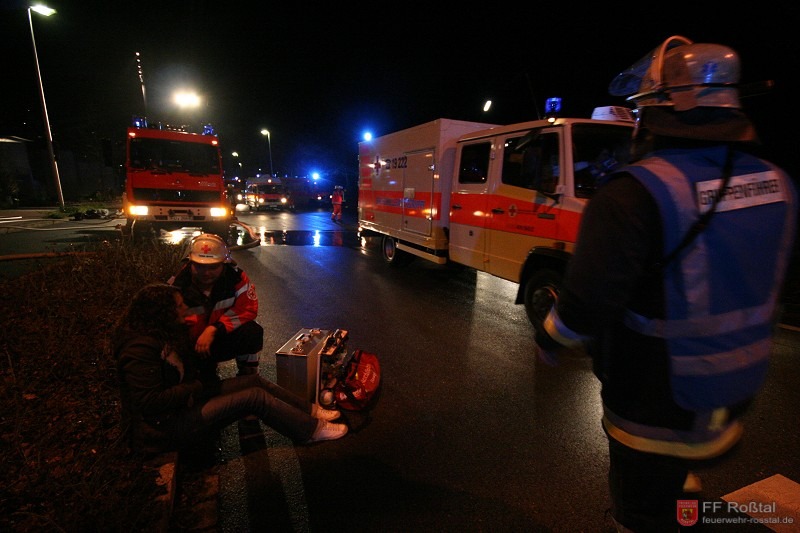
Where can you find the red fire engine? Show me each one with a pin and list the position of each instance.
(174, 179)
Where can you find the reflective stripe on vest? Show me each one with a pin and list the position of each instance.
(722, 291)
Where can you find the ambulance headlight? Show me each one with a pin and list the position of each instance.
(138, 210)
(218, 211)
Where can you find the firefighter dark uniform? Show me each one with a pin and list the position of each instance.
(680, 341)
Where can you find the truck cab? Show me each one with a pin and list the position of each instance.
(173, 180)
(268, 195)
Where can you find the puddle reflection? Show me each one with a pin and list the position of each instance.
(309, 238)
(241, 235)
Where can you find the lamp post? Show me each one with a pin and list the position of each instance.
(269, 144)
(141, 80)
(238, 163)
(46, 11)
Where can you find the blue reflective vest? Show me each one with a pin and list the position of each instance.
(721, 291)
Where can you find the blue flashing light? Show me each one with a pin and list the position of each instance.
(552, 106)
(208, 129)
(139, 122)
(367, 136)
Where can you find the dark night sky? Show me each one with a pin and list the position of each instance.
(318, 75)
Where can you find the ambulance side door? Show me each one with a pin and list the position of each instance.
(468, 203)
(418, 191)
(523, 204)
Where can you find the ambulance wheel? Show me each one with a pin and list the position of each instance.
(541, 293)
(391, 254)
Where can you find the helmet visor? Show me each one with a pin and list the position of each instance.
(646, 71)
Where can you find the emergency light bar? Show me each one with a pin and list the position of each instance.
(613, 112)
(141, 122)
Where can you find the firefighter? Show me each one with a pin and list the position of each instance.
(223, 306)
(676, 307)
(337, 198)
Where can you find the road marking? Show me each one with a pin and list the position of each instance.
(777, 489)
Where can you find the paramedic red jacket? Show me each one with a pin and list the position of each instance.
(231, 303)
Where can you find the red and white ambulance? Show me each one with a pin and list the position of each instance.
(506, 200)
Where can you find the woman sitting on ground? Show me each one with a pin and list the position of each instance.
(167, 405)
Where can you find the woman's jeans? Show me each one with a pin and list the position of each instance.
(248, 395)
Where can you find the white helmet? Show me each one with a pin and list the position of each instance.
(208, 249)
(683, 75)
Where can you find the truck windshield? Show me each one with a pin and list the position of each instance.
(174, 156)
(266, 189)
(597, 149)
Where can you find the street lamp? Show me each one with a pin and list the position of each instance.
(239, 163)
(46, 11)
(269, 143)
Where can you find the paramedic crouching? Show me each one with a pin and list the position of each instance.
(676, 308)
(167, 406)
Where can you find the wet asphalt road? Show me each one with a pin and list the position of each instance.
(470, 433)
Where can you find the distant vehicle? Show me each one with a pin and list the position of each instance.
(268, 195)
(174, 179)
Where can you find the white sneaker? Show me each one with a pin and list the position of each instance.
(324, 414)
(327, 431)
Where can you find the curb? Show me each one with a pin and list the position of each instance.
(14, 225)
(165, 467)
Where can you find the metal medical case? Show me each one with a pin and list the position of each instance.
(297, 363)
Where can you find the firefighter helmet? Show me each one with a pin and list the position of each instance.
(208, 249)
(683, 75)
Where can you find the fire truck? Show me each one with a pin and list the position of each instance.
(506, 200)
(288, 193)
(174, 179)
(267, 193)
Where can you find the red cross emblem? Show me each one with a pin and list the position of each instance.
(206, 248)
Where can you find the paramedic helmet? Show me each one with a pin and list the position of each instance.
(209, 249)
(683, 75)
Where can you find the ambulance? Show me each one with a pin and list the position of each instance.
(506, 200)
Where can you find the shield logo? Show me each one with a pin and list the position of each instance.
(687, 512)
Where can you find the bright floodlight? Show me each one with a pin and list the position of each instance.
(43, 10)
(185, 99)
(487, 105)
(367, 136)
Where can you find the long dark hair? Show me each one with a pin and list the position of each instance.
(153, 313)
